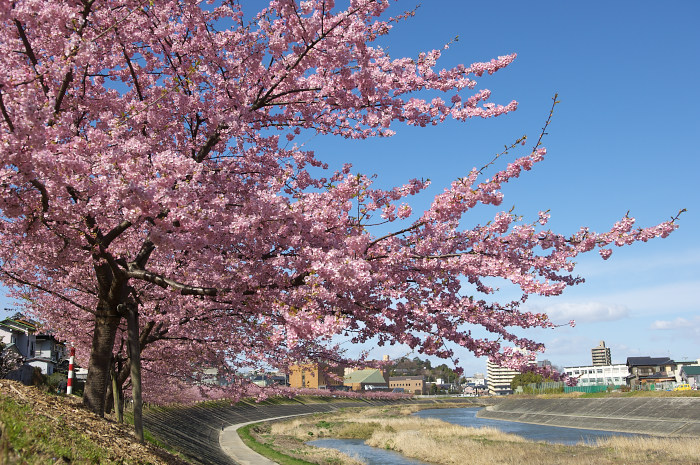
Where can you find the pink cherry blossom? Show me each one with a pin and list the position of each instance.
(152, 159)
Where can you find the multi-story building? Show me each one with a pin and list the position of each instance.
(410, 384)
(601, 355)
(599, 375)
(499, 379)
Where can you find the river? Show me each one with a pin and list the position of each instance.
(465, 417)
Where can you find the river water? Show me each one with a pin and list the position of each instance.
(465, 417)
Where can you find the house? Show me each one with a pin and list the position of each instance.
(38, 350)
(411, 384)
(680, 364)
(21, 332)
(690, 374)
(48, 354)
(315, 376)
(366, 380)
(650, 370)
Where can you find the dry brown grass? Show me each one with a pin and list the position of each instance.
(434, 441)
(642, 449)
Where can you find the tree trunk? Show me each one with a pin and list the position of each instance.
(112, 293)
(117, 395)
(132, 319)
(106, 323)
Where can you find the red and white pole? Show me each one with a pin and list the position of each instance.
(71, 361)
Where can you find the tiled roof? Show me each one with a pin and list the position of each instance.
(648, 361)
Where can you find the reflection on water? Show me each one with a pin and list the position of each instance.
(371, 455)
(555, 434)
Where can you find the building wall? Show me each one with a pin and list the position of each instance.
(25, 342)
(499, 379)
(310, 376)
(408, 384)
(599, 375)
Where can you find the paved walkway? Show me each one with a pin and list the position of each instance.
(234, 447)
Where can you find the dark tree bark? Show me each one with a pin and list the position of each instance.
(106, 323)
(117, 395)
(112, 294)
(132, 318)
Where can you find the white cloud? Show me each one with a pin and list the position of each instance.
(584, 312)
(679, 323)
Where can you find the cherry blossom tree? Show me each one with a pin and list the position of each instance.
(151, 168)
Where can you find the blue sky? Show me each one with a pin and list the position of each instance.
(625, 137)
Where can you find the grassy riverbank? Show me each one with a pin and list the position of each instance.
(37, 428)
(438, 442)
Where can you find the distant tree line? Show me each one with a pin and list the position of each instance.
(405, 366)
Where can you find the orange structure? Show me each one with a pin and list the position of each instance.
(315, 376)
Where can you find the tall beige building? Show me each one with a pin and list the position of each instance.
(499, 379)
(601, 355)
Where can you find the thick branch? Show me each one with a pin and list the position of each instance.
(5, 114)
(144, 254)
(30, 54)
(165, 283)
(133, 74)
(44, 194)
(214, 139)
(114, 233)
(62, 92)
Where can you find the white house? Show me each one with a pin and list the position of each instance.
(20, 332)
(38, 350)
(599, 375)
(47, 354)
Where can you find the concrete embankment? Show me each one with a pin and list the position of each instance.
(667, 416)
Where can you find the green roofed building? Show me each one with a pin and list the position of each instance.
(366, 379)
(691, 374)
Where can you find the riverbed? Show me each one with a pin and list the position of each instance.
(554, 434)
(465, 417)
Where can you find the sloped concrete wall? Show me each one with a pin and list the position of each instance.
(668, 416)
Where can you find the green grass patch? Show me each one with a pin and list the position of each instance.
(40, 442)
(351, 430)
(267, 451)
